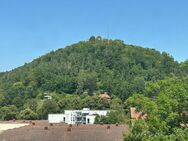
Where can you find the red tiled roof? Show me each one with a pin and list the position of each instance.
(105, 96)
(136, 115)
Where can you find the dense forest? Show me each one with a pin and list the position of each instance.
(74, 76)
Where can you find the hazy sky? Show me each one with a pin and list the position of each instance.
(31, 28)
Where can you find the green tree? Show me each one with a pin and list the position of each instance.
(28, 114)
(164, 112)
(48, 107)
(87, 81)
(92, 39)
(184, 68)
(2, 100)
(8, 112)
(31, 104)
(113, 117)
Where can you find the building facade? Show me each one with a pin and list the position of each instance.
(85, 116)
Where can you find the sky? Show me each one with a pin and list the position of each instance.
(32, 28)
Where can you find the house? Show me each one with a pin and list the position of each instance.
(85, 116)
(135, 115)
(47, 97)
(105, 96)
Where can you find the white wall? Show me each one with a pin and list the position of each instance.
(70, 114)
(90, 112)
(56, 118)
(98, 112)
(91, 119)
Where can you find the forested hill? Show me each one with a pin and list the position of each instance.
(93, 66)
(74, 76)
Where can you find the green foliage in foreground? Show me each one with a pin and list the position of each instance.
(140, 132)
(166, 110)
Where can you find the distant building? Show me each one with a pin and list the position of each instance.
(105, 96)
(136, 115)
(47, 97)
(85, 116)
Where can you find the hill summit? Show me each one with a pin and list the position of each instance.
(95, 65)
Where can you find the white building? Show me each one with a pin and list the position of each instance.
(85, 116)
(48, 97)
